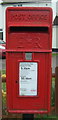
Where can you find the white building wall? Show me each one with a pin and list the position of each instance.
(57, 8)
(4, 20)
(54, 37)
(57, 36)
(38, 4)
(1, 23)
(53, 6)
(27, 1)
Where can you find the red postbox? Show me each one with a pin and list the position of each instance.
(28, 59)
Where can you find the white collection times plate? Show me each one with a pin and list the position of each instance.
(28, 78)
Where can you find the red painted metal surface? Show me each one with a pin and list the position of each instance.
(28, 30)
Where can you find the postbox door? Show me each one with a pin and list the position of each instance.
(34, 100)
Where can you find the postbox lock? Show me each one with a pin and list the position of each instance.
(28, 56)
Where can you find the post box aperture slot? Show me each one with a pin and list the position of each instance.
(28, 78)
(26, 29)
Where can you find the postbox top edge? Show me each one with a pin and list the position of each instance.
(29, 8)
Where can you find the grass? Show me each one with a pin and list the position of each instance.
(4, 87)
(3, 71)
(47, 116)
